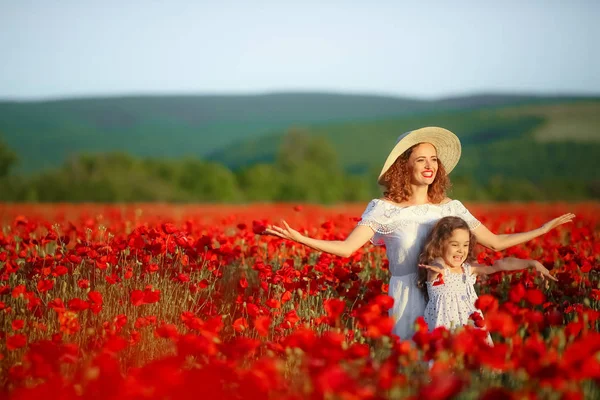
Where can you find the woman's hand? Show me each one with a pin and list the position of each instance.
(543, 271)
(563, 219)
(285, 233)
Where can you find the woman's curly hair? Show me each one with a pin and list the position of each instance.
(434, 246)
(396, 180)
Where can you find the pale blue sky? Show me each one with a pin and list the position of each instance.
(427, 49)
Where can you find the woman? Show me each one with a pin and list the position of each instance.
(415, 181)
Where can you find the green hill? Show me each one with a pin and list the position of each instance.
(538, 142)
(45, 133)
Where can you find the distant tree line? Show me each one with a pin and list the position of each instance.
(306, 169)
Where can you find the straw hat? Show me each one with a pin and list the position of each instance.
(445, 142)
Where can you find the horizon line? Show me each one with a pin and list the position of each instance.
(265, 93)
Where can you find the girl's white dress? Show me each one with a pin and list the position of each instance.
(403, 231)
(452, 302)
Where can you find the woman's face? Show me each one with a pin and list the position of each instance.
(423, 164)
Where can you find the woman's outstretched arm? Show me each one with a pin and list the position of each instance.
(343, 248)
(512, 264)
(500, 242)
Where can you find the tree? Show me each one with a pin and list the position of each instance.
(356, 188)
(311, 169)
(8, 158)
(299, 147)
(260, 182)
(208, 181)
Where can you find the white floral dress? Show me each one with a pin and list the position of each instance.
(451, 299)
(452, 302)
(403, 231)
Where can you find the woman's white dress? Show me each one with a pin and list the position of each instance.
(403, 231)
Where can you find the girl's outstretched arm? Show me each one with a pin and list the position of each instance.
(433, 271)
(500, 242)
(512, 264)
(343, 248)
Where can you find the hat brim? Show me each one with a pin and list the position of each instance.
(445, 142)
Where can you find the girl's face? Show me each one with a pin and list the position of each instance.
(423, 164)
(456, 248)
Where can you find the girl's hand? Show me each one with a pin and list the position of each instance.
(563, 219)
(285, 233)
(543, 271)
(435, 268)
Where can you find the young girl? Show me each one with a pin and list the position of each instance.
(448, 274)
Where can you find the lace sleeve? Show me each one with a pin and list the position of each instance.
(376, 218)
(461, 211)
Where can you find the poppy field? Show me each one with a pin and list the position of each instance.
(147, 301)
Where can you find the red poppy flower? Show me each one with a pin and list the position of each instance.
(57, 305)
(486, 303)
(381, 327)
(240, 324)
(115, 344)
(137, 297)
(18, 290)
(273, 303)
(262, 324)
(77, 305)
(477, 319)
(168, 228)
(166, 331)
(334, 308)
(286, 297)
(151, 296)
(83, 283)
(243, 283)
(69, 323)
(259, 227)
(439, 280)
(516, 293)
(17, 324)
(535, 297)
(501, 322)
(44, 285)
(444, 386)
(384, 301)
(16, 341)
(291, 319)
(95, 297)
(497, 394)
(60, 270)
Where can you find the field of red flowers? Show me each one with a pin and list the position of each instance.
(164, 301)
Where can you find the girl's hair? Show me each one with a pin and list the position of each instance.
(396, 180)
(434, 245)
